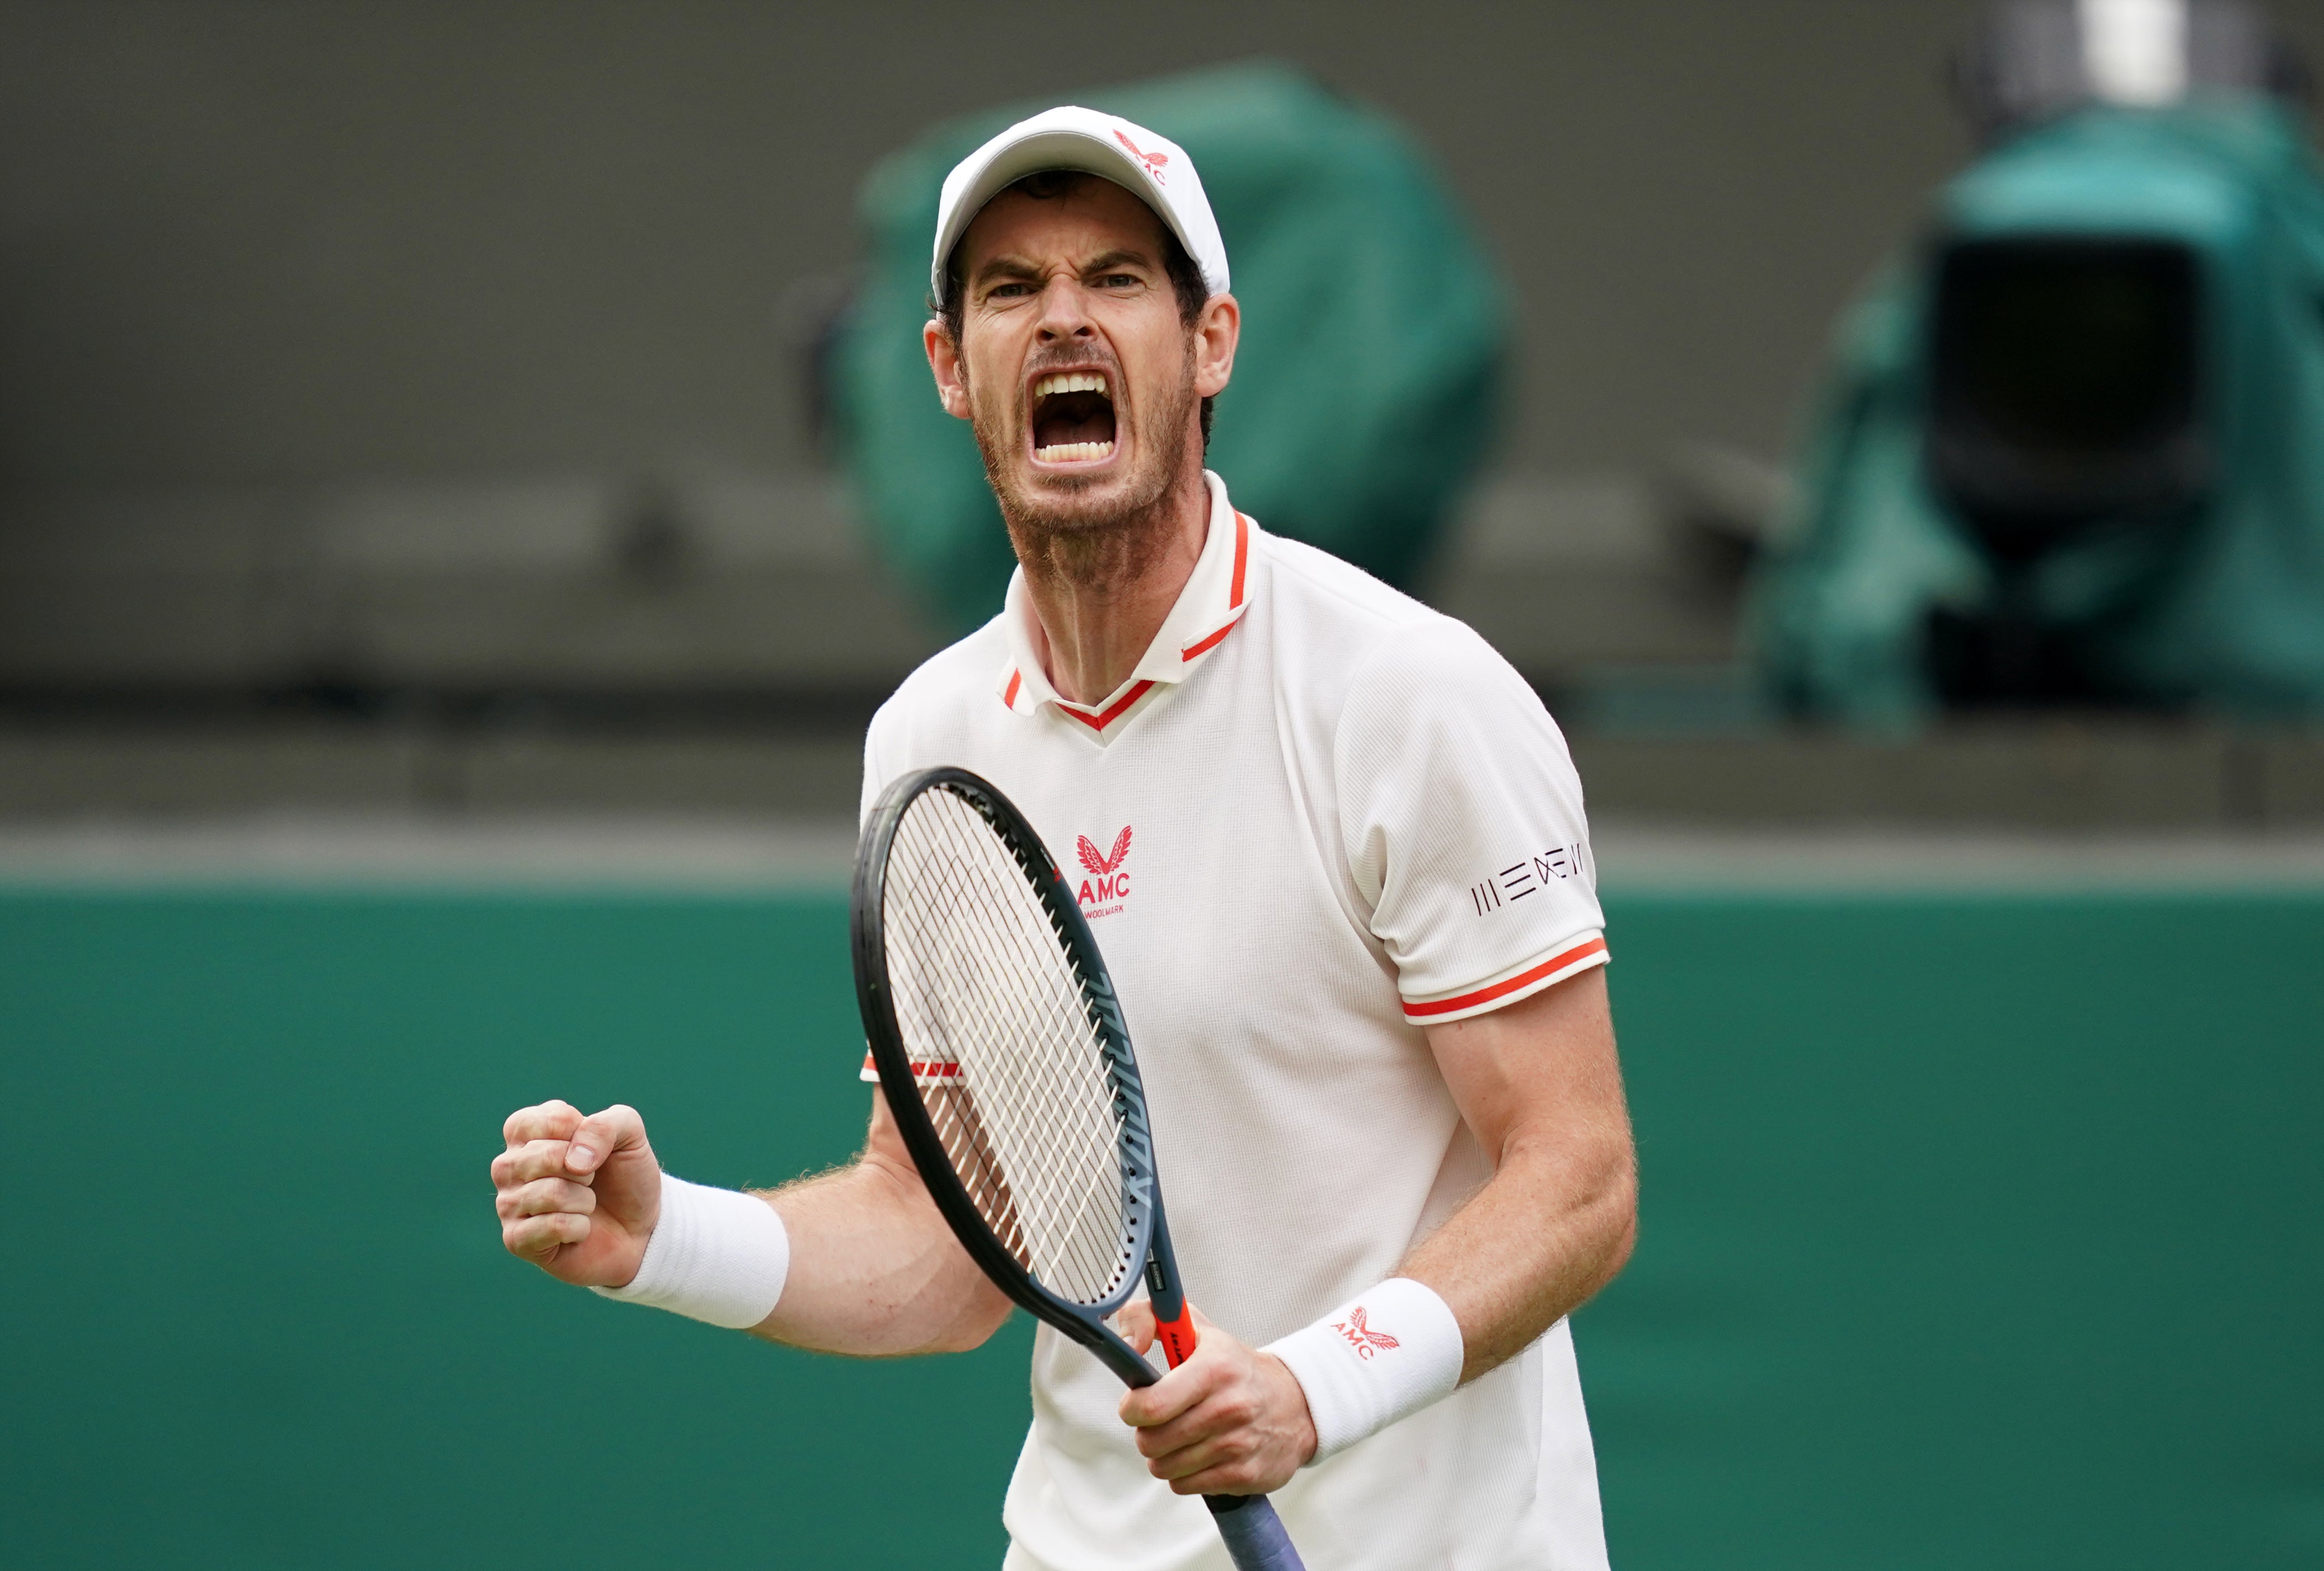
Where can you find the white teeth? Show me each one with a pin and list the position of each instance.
(1069, 381)
(1073, 452)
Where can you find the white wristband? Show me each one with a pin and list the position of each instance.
(1378, 1357)
(718, 1255)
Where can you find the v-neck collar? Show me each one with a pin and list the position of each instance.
(1207, 609)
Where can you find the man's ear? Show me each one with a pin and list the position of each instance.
(1217, 331)
(944, 360)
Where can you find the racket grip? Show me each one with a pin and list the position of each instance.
(1176, 1337)
(1254, 1534)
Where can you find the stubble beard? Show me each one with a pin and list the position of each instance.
(1093, 543)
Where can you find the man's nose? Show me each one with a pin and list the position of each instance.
(1061, 316)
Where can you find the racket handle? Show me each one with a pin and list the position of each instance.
(1176, 1337)
(1254, 1534)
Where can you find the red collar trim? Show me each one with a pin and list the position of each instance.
(1211, 640)
(1097, 722)
(1203, 645)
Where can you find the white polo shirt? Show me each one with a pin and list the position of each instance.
(1318, 816)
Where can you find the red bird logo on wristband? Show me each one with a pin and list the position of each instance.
(1360, 1336)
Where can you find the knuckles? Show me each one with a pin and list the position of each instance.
(538, 1159)
(554, 1117)
(535, 1238)
(525, 1239)
(545, 1197)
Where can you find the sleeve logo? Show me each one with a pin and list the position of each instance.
(1367, 1343)
(1108, 883)
(1529, 876)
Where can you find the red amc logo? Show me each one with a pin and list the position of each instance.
(1152, 161)
(1360, 1336)
(1108, 880)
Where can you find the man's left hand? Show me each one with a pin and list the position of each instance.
(1229, 1420)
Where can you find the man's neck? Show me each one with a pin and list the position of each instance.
(1101, 597)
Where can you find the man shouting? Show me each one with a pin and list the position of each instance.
(1334, 850)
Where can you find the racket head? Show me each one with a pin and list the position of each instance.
(1002, 1051)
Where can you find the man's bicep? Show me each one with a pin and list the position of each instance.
(1545, 1063)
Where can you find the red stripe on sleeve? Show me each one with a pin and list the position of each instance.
(1526, 978)
(920, 1069)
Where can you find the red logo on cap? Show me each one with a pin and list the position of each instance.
(1152, 161)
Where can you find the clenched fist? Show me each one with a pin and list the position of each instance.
(578, 1197)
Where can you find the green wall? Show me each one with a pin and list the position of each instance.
(1977, 1233)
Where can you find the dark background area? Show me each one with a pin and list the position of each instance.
(388, 391)
(252, 242)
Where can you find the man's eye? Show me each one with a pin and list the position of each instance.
(1010, 291)
(1119, 281)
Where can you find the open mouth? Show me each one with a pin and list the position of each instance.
(1073, 418)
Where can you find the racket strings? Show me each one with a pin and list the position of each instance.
(1061, 1213)
(1006, 1057)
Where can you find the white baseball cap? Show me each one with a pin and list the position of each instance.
(1151, 168)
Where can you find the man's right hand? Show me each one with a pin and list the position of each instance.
(578, 1197)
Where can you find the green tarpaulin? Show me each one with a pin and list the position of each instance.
(2222, 607)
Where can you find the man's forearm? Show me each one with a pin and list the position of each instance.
(1540, 1087)
(874, 1273)
(1554, 1225)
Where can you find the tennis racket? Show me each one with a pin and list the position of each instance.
(1007, 1064)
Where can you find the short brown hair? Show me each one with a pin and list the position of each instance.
(1047, 185)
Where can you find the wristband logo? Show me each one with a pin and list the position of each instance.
(1366, 1341)
(1108, 883)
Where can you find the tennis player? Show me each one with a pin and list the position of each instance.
(1334, 850)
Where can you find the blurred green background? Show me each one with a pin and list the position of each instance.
(1978, 1231)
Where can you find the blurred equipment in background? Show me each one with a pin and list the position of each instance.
(2073, 450)
(1374, 336)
